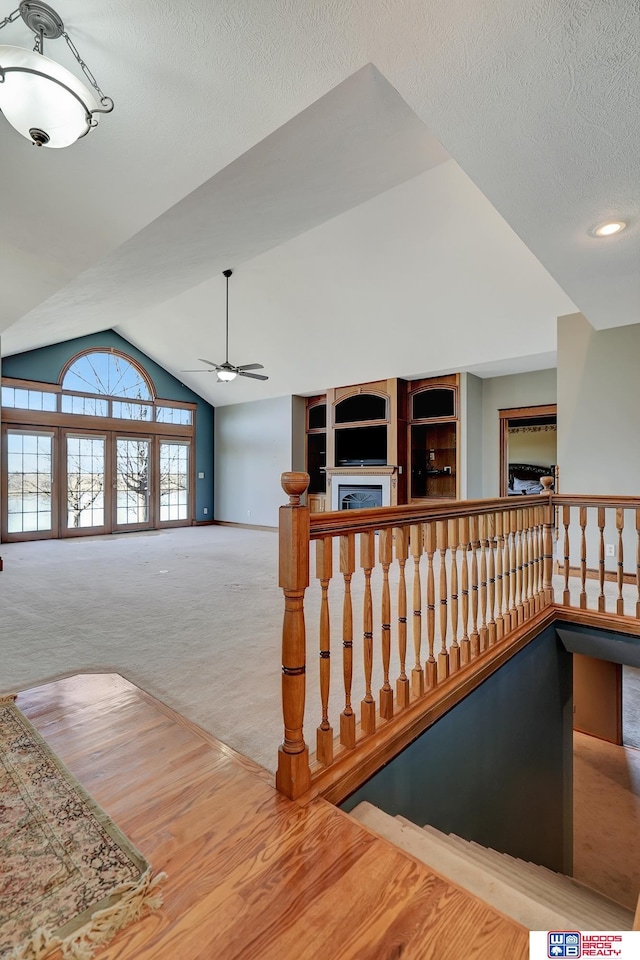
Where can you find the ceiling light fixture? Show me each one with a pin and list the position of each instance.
(609, 228)
(40, 98)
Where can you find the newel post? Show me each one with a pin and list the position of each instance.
(293, 776)
(547, 541)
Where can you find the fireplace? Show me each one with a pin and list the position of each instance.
(351, 488)
(356, 496)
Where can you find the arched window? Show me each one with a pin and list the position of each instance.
(107, 374)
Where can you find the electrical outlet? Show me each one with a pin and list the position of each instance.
(206, 510)
(248, 513)
(610, 550)
(432, 454)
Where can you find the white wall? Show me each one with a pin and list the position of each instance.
(254, 444)
(598, 425)
(598, 407)
(501, 393)
(471, 437)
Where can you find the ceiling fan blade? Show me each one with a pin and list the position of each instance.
(199, 370)
(216, 366)
(254, 376)
(250, 366)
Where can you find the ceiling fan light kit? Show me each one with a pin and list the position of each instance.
(227, 371)
(40, 98)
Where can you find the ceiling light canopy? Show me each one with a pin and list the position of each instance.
(609, 228)
(40, 98)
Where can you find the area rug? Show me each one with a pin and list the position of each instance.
(69, 878)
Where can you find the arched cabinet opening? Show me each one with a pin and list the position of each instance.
(361, 422)
(433, 438)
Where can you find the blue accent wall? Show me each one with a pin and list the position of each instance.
(46, 363)
(498, 768)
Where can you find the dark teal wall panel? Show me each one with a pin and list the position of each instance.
(497, 768)
(46, 363)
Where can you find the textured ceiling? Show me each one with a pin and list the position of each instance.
(536, 103)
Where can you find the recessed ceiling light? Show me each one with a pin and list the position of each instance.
(609, 228)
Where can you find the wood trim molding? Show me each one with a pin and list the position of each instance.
(517, 413)
(593, 574)
(243, 526)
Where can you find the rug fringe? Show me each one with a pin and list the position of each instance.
(8, 698)
(134, 900)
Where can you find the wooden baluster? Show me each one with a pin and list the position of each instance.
(430, 669)
(541, 555)
(465, 643)
(402, 553)
(506, 570)
(533, 560)
(620, 527)
(513, 565)
(601, 525)
(519, 568)
(638, 564)
(527, 564)
(385, 548)
(367, 562)
(454, 652)
(293, 777)
(499, 517)
(535, 555)
(583, 558)
(566, 520)
(547, 546)
(475, 636)
(482, 533)
(347, 569)
(491, 542)
(417, 675)
(324, 572)
(537, 577)
(443, 656)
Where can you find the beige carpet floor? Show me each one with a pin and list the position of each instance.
(191, 615)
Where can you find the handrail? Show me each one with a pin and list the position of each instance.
(338, 522)
(595, 500)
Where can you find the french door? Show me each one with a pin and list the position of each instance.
(65, 483)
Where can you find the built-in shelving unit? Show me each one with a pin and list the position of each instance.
(399, 436)
(433, 438)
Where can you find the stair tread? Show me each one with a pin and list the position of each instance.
(535, 896)
(565, 891)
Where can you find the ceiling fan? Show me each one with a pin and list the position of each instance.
(227, 371)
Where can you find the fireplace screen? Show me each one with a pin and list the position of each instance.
(357, 496)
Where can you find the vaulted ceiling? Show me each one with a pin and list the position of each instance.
(401, 187)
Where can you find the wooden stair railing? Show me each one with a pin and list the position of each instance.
(427, 599)
(475, 571)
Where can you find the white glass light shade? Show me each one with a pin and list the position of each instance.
(39, 101)
(227, 375)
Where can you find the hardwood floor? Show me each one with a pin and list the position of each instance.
(250, 874)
